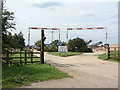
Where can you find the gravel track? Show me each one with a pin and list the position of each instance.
(87, 71)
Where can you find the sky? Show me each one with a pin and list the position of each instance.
(66, 14)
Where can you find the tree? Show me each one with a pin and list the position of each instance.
(78, 44)
(7, 24)
(38, 43)
(54, 43)
(18, 41)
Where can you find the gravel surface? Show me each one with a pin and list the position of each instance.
(87, 71)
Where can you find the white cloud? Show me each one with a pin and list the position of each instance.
(47, 4)
(86, 14)
(112, 21)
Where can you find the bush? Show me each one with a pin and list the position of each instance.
(38, 49)
(88, 50)
(46, 49)
(54, 49)
(78, 43)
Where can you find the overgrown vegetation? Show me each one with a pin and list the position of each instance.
(65, 54)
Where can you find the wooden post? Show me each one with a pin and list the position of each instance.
(115, 53)
(118, 53)
(25, 57)
(20, 57)
(32, 57)
(108, 52)
(42, 47)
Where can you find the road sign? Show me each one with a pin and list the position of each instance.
(62, 49)
(59, 43)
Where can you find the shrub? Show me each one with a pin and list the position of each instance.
(54, 49)
(46, 49)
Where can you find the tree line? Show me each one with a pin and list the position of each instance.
(74, 45)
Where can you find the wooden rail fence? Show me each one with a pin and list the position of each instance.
(22, 58)
(113, 52)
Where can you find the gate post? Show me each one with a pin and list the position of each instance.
(108, 52)
(42, 46)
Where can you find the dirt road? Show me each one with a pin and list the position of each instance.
(87, 71)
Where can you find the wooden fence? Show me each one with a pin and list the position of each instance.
(113, 52)
(22, 58)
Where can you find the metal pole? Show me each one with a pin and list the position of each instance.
(29, 38)
(106, 42)
(59, 35)
(67, 39)
(52, 36)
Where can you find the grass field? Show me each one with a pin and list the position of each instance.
(104, 57)
(15, 76)
(64, 54)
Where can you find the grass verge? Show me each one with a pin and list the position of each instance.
(15, 76)
(26, 74)
(65, 54)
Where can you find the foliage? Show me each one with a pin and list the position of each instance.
(78, 45)
(14, 41)
(89, 50)
(18, 41)
(7, 25)
(54, 49)
(65, 54)
(46, 49)
(8, 40)
(54, 43)
(27, 74)
(38, 43)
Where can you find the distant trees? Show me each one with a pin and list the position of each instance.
(53, 47)
(18, 41)
(38, 43)
(79, 45)
(15, 41)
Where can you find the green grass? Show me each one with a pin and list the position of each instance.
(104, 57)
(64, 54)
(24, 75)
(15, 76)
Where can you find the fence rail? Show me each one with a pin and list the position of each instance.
(22, 57)
(113, 52)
